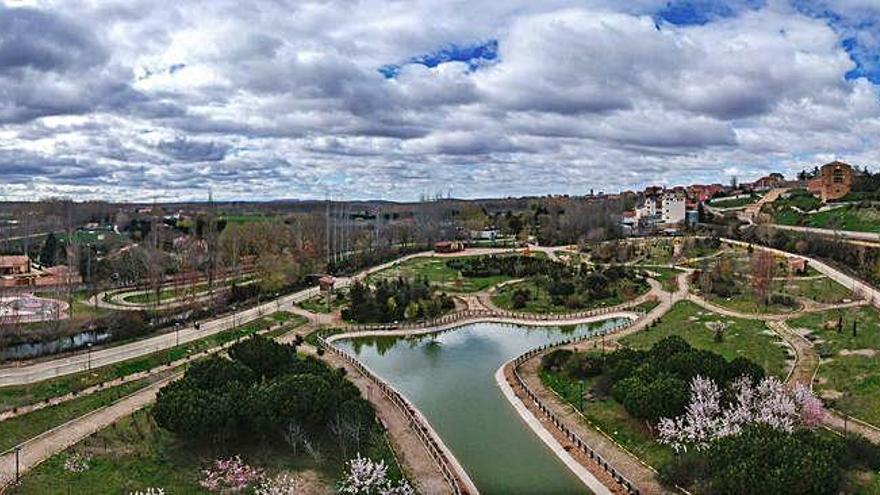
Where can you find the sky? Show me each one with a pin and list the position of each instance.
(270, 99)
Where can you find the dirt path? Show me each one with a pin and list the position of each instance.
(806, 361)
(419, 467)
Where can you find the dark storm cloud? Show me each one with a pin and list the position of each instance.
(46, 42)
(185, 150)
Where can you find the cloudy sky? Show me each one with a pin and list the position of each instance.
(266, 99)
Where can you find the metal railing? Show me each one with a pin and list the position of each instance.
(557, 422)
(422, 430)
(470, 314)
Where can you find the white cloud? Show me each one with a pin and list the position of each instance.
(284, 99)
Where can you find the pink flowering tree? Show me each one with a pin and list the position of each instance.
(230, 475)
(768, 402)
(367, 477)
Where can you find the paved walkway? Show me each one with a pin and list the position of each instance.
(22, 374)
(51, 442)
(640, 474)
(419, 467)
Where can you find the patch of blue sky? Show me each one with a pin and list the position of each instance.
(475, 55)
(854, 28)
(699, 12)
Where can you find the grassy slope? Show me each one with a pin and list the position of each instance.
(439, 274)
(857, 376)
(747, 338)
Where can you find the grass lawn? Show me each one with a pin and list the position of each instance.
(668, 277)
(748, 338)
(854, 218)
(16, 430)
(11, 397)
(851, 381)
(823, 290)
(319, 304)
(609, 416)
(746, 302)
(542, 303)
(438, 274)
(787, 216)
(169, 293)
(135, 454)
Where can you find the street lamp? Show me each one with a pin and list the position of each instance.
(89, 347)
(17, 464)
(233, 316)
(176, 334)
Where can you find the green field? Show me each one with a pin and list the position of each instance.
(747, 338)
(850, 380)
(438, 274)
(822, 290)
(16, 396)
(541, 303)
(16, 430)
(855, 218)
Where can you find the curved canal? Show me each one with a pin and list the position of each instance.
(450, 378)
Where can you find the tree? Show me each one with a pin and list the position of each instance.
(367, 477)
(49, 252)
(763, 460)
(768, 403)
(763, 271)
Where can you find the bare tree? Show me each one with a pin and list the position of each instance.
(763, 266)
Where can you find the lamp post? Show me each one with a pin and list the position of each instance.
(233, 316)
(17, 464)
(89, 347)
(176, 334)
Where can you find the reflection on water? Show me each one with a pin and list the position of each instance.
(449, 376)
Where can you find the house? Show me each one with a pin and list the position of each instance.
(484, 235)
(834, 181)
(448, 247)
(17, 271)
(768, 182)
(699, 193)
(326, 283)
(797, 266)
(663, 208)
(14, 265)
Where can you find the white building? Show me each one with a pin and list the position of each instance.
(666, 208)
(672, 208)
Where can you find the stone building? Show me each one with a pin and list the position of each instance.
(834, 181)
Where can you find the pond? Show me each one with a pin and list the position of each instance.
(450, 378)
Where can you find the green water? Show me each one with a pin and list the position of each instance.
(450, 377)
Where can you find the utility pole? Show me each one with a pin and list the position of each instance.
(327, 230)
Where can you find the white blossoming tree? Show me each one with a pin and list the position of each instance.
(368, 477)
(282, 484)
(768, 402)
